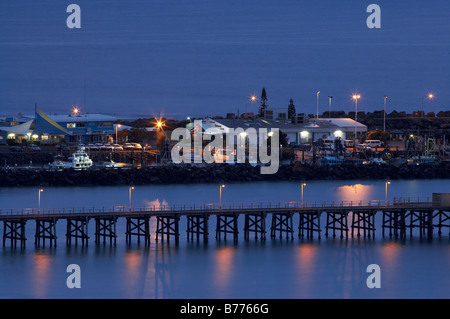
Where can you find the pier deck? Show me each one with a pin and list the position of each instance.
(358, 218)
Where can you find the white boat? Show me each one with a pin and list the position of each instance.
(110, 164)
(58, 163)
(79, 160)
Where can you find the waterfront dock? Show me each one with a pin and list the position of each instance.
(336, 219)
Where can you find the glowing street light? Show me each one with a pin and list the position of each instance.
(220, 195)
(317, 113)
(76, 110)
(117, 125)
(329, 104)
(355, 97)
(40, 190)
(303, 185)
(159, 124)
(387, 182)
(253, 98)
(130, 188)
(384, 115)
(429, 96)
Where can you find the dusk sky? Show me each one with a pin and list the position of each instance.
(198, 58)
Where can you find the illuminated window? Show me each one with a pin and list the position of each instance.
(71, 125)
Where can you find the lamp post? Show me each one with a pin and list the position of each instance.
(329, 104)
(386, 183)
(40, 190)
(303, 185)
(430, 96)
(384, 115)
(117, 125)
(220, 195)
(317, 113)
(355, 97)
(130, 188)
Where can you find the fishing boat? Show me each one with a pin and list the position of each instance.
(78, 161)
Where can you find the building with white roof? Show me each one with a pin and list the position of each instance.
(326, 128)
(312, 131)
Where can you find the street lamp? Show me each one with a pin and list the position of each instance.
(130, 188)
(429, 96)
(303, 185)
(329, 104)
(40, 190)
(220, 195)
(386, 183)
(355, 97)
(384, 115)
(317, 114)
(117, 125)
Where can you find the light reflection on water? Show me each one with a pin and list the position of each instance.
(326, 268)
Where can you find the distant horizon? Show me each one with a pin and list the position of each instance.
(177, 116)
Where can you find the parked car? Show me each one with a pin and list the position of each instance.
(348, 143)
(92, 147)
(128, 146)
(117, 147)
(100, 146)
(374, 143)
(34, 148)
(363, 147)
(136, 145)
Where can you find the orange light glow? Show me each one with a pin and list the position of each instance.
(355, 193)
(159, 123)
(224, 259)
(253, 98)
(42, 270)
(430, 96)
(76, 110)
(356, 96)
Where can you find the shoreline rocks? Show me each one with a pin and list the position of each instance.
(217, 173)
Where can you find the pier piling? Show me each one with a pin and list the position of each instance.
(337, 221)
(227, 224)
(168, 225)
(363, 222)
(139, 227)
(45, 229)
(14, 230)
(105, 227)
(282, 224)
(197, 225)
(77, 228)
(255, 223)
(308, 224)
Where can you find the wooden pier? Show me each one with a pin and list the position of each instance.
(341, 219)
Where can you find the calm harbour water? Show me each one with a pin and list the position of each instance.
(325, 268)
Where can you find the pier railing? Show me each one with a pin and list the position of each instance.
(215, 207)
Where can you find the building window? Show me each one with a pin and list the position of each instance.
(81, 124)
(71, 125)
